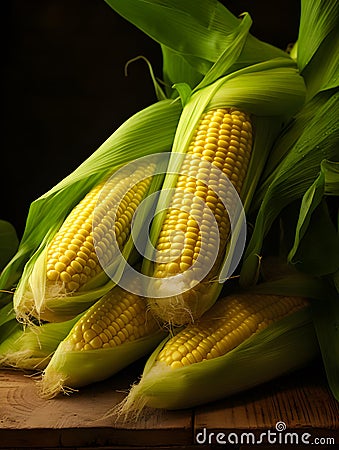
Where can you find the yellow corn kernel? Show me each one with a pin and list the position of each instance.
(73, 259)
(112, 320)
(226, 325)
(222, 144)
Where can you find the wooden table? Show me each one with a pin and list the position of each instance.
(301, 400)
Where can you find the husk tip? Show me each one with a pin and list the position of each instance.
(171, 311)
(14, 359)
(131, 409)
(51, 384)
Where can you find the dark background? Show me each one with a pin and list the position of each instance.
(64, 88)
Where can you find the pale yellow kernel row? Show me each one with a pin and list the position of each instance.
(230, 322)
(220, 143)
(73, 258)
(117, 318)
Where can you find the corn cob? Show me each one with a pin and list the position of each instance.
(114, 332)
(226, 327)
(95, 231)
(243, 340)
(72, 257)
(219, 151)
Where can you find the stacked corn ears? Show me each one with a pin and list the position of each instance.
(235, 134)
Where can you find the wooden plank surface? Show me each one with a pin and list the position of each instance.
(78, 420)
(297, 403)
(301, 400)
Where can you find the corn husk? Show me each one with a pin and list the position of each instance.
(312, 137)
(70, 369)
(8, 242)
(31, 347)
(317, 144)
(212, 60)
(194, 35)
(8, 322)
(278, 349)
(149, 131)
(8, 246)
(299, 188)
(281, 348)
(326, 319)
(271, 91)
(317, 55)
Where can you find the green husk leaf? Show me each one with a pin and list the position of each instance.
(326, 320)
(316, 243)
(157, 88)
(295, 284)
(318, 18)
(176, 70)
(317, 141)
(335, 277)
(266, 131)
(316, 251)
(72, 367)
(69, 370)
(296, 129)
(321, 73)
(283, 347)
(184, 91)
(7, 329)
(331, 173)
(31, 347)
(229, 56)
(193, 35)
(8, 242)
(318, 44)
(8, 322)
(6, 313)
(310, 201)
(281, 278)
(149, 131)
(6, 296)
(272, 88)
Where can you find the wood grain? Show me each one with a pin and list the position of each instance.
(79, 419)
(302, 400)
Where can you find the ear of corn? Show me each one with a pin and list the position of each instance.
(149, 131)
(242, 341)
(70, 262)
(113, 333)
(72, 256)
(221, 147)
(218, 148)
(31, 347)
